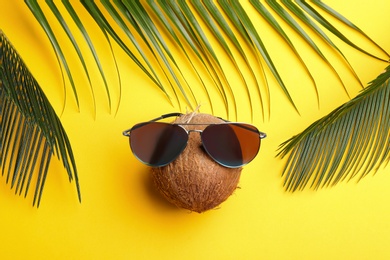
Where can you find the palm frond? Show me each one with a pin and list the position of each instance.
(227, 31)
(347, 22)
(321, 20)
(170, 31)
(141, 23)
(30, 131)
(350, 142)
(41, 18)
(183, 23)
(137, 16)
(106, 28)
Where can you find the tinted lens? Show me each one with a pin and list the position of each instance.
(157, 144)
(232, 145)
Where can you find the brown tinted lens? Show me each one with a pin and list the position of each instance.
(231, 145)
(157, 144)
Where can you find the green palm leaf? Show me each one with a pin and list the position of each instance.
(30, 131)
(106, 28)
(228, 31)
(223, 19)
(139, 19)
(345, 21)
(257, 43)
(196, 40)
(277, 27)
(76, 47)
(41, 18)
(169, 29)
(64, 25)
(200, 35)
(349, 142)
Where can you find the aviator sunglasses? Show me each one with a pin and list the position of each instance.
(230, 144)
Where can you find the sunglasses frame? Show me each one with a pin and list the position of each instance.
(127, 133)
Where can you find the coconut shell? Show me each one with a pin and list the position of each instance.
(194, 181)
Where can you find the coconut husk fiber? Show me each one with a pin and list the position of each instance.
(194, 181)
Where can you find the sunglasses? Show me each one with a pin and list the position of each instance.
(229, 144)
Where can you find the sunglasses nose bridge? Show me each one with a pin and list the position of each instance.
(195, 130)
(200, 136)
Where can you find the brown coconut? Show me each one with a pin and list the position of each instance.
(194, 181)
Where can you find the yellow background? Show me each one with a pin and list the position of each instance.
(123, 217)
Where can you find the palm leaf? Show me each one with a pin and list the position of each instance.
(64, 25)
(278, 28)
(321, 20)
(169, 29)
(204, 41)
(106, 28)
(255, 39)
(228, 31)
(145, 27)
(234, 18)
(81, 27)
(222, 20)
(203, 10)
(345, 21)
(41, 18)
(30, 131)
(197, 42)
(349, 142)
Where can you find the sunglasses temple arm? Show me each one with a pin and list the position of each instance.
(127, 132)
(261, 134)
(166, 116)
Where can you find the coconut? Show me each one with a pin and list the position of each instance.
(194, 181)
